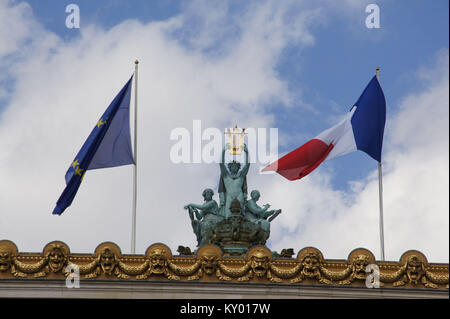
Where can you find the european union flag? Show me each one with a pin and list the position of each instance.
(108, 145)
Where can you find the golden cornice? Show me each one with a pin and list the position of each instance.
(210, 265)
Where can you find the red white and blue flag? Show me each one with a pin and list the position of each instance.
(361, 129)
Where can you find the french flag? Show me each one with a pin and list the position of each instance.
(361, 129)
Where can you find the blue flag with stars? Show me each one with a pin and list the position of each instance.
(108, 145)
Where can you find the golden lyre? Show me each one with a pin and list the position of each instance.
(236, 140)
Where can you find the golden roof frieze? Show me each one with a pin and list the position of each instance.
(209, 264)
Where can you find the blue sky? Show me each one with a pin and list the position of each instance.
(303, 67)
(103, 12)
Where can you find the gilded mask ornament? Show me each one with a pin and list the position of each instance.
(108, 260)
(359, 266)
(414, 269)
(310, 265)
(56, 258)
(8, 253)
(158, 261)
(259, 262)
(5, 259)
(209, 258)
(209, 264)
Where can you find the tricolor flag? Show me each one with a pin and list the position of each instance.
(108, 145)
(361, 129)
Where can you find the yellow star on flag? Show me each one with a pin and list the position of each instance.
(100, 122)
(75, 163)
(78, 171)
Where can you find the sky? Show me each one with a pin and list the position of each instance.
(297, 66)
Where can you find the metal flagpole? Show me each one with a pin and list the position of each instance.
(380, 193)
(133, 229)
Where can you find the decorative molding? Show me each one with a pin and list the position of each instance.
(209, 264)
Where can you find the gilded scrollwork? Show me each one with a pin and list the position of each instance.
(227, 273)
(86, 269)
(208, 263)
(132, 270)
(23, 269)
(437, 279)
(284, 273)
(335, 276)
(185, 270)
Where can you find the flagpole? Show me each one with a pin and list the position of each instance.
(380, 194)
(133, 226)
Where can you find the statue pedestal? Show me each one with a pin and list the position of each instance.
(235, 248)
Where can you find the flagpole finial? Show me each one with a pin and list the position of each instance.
(136, 62)
(378, 72)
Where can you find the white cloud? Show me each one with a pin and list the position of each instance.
(14, 32)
